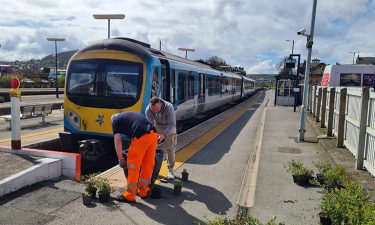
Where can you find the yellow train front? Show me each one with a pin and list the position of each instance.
(104, 78)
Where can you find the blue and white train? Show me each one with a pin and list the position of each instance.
(121, 74)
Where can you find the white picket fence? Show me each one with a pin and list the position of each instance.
(358, 131)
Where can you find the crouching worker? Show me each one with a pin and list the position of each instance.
(141, 154)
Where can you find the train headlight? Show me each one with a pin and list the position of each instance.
(74, 119)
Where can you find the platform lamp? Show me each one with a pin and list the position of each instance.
(353, 55)
(309, 44)
(292, 45)
(186, 50)
(109, 17)
(57, 82)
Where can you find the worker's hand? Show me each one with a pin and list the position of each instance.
(161, 138)
(122, 163)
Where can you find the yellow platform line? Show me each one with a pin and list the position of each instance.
(34, 134)
(191, 149)
(117, 177)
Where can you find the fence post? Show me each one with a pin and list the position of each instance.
(310, 99)
(315, 104)
(324, 107)
(362, 128)
(341, 122)
(318, 108)
(332, 94)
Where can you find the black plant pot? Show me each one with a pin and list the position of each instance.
(303, 180)
(185, 176)
(104, 196)
(86, 199)
(324, 219)
(156, 193)
(320, 178)
(177, 189)
(294, 178)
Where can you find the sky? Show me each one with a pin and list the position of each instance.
(247, 33)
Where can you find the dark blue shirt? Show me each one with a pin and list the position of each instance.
(131, 124)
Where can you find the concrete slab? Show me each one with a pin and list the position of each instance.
(15, 163)
(44, 169)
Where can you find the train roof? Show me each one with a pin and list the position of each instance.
(144, 49)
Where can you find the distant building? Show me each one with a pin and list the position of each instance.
(365, 60)
(8, 70)
(316, 71)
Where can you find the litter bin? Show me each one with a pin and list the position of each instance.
(158, 161)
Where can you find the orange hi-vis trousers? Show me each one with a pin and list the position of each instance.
(140, 163)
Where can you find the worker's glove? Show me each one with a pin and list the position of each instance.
(122, 163)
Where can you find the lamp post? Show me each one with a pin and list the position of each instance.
(292, 45)
(57, 82)
(309, 44)
(186, 50)
(353, 55)
(108, 17)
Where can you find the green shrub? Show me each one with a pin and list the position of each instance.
(91, 182)
(248, 220)
(348, 205)
(335, 177)
(323, 167)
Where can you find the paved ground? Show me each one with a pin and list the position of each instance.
(216, 175)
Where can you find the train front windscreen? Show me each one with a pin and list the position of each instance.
(104, 83)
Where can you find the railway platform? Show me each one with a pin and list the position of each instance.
(236, 164)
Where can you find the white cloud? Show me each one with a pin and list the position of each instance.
(250, 33)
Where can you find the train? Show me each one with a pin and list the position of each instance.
(122, 74)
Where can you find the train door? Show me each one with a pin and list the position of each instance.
(165, 80)
(201, 92)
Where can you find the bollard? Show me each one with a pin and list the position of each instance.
(15, 96)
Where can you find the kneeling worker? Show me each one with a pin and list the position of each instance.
(141, 154)
(161, 114)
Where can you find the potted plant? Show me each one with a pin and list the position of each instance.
(90, 181)
(177, 188)
(335, 177)
(86, 198)
(105, 189)
(301, 175)
(185, 175)
(322, 167)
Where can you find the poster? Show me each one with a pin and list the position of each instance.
(367, 80)
(350, 79)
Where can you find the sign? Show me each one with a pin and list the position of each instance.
(14, 87)
(14, 83)
(296, 89)
(290, 63)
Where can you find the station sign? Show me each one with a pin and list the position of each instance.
(15, 87)
(14, 83)
(290, 63)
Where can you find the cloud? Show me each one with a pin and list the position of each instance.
(250, 33)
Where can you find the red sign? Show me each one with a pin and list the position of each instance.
(14, 83)
(325, 80)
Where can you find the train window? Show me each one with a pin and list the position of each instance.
(190, 90)
(82, 79)
(181, 86)
(122, 80)
(210, 85)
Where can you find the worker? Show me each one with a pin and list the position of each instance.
(161, 114)
(141, 155)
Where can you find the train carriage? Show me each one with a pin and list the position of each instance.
(121, 74)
